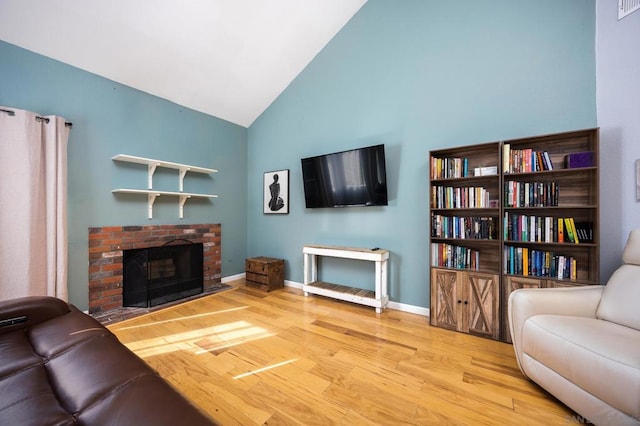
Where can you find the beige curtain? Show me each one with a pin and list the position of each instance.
(33, 204)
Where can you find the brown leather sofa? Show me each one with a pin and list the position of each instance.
(59, 366)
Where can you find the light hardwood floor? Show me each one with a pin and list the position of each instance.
(252, 358)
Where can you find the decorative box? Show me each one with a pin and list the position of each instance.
(265, 273)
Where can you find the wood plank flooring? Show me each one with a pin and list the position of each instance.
(251, 358)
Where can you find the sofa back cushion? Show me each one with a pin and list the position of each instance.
(621, 295)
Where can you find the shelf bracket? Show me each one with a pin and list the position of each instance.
(152, 170)
(152, 199)
(181, 175)
(183, 199)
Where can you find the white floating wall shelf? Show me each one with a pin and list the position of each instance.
(151, 168)
(153, 164)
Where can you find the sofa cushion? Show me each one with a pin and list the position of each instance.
(79, 384)
(601, 357)
(127, 404)
(631, 253)
(27, 399)
(621, 295)
(58, 334)
(16, 353)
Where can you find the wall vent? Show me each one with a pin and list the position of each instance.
(626, 7)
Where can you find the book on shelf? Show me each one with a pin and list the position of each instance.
(531, 194)
(506, 157)
(539, 263)
(545, 229)
(443, 226)
(452, 256)
(571, 233)
(560, 268)
(539, 160)
(485, 171)
(547, 161)
(576, 237)
(584, 231)
(560, 230)
(448, 168)
(526, 160)
(451, 197)
(579, 159)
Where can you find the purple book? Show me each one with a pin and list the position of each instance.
(579, 159)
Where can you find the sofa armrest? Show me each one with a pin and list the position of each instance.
(24, 312)
(527, 302)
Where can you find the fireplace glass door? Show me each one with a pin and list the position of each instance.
(156, 275)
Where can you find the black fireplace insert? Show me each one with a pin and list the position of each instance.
(156, 275)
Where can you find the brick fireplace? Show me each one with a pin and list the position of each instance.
(106, 245)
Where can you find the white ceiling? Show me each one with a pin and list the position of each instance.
(226, 58)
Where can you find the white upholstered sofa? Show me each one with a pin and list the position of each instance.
(582, 344)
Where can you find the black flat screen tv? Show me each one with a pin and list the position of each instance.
(349, 178)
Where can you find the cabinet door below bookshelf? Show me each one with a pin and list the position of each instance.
(514, 283)
(444, 297)
(563, 284)
(483, 303)
(465, 301)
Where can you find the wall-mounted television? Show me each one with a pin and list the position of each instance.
(349, 178)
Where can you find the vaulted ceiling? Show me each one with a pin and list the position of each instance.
(227, 58)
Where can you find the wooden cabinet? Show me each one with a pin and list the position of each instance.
(465, 191)
(265, 273)
(444, 298)
(465, 301)
(562, 284)
(512, 283)
(525, 210)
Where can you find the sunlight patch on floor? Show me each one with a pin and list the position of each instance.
(182, 318)
(269, 367)
(212, 347)
(201, 340)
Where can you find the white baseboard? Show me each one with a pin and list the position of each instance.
(403, 307)
(233, 277)
(412, 309)
(418, 310)
(293, 284)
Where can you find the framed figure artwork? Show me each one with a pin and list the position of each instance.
(276, 192)
(637, 180)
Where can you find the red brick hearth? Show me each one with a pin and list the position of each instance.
(105, 256)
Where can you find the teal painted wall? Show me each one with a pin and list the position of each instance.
(416, 75)
(108, 119)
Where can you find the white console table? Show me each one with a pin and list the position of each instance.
(377, 299)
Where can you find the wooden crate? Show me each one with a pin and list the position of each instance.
(265, 273)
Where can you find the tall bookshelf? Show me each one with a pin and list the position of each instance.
(465, 193)
(503, 216)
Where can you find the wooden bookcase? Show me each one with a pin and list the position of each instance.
(495, 210)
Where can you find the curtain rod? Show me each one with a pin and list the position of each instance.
(45, 119)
